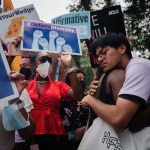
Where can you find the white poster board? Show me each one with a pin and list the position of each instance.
(11, 21)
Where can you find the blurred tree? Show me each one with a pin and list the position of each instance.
(137, 20)
(137, 23)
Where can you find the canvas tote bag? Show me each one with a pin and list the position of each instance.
(101, 136)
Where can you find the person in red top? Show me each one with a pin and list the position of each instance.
(46, 96)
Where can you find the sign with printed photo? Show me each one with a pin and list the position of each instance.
(8, 88)
(11, 21)
(39, 36)
(79, 19)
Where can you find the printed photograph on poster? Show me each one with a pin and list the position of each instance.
(81, 20)
(8, 89)
(39, 36)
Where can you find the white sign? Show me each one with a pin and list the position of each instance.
(11, 21)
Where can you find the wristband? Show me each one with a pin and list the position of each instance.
(70, 69)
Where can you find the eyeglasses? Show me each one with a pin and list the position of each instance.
(43, 59)
(103, 52)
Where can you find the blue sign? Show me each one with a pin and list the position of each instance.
(79, 19)
(39, 36)
(8, 89)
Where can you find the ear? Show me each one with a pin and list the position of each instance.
(122, 49)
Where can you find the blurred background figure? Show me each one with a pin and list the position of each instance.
(74, 116)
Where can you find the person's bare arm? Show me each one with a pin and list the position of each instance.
(115, 82)
(118, 115)
(27, 132)
(141, 119)
(76, 92)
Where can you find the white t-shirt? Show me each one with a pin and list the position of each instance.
(7, 139)
(136, 86)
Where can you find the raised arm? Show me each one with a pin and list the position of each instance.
(76, 92)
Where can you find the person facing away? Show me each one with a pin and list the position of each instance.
(46, 96)
(113, 51)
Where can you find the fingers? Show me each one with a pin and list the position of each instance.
(16, 76)
(17, 41)
(93, 87)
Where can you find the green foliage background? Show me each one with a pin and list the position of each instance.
(137, 23)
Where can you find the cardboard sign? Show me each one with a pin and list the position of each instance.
(79, 19)
(8, 89)
(104, 21)
(11, 21)
(39, 36)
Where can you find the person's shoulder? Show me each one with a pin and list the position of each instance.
(57, 82)
(117, 71)
(138, 66)
(116, 75)
(137, 61)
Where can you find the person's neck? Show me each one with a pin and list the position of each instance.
(124, 62)
(39, 78)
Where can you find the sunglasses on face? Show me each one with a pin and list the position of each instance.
(43, 59)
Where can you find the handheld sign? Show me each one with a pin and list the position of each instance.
(39, 36)
(79, 19)
(8, 88)
(102, 22)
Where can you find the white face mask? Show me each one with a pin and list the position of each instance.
(44, 69)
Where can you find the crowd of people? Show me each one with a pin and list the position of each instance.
(58, 114)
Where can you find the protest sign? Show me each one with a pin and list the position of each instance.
(104, 21)
(11, 21)
(39, 36)
(8, 88)
(79, 19)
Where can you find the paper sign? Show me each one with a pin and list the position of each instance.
(102, 22)
(79, 19)
(8, 89)
(107, 20)
(39, 36)
(11, 21)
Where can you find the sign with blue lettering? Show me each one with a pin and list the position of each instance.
(39, 36)
(79, 19)
(8, 88)
(11, 21)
